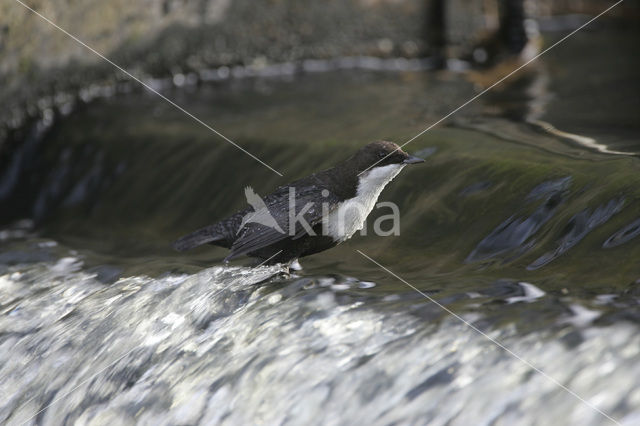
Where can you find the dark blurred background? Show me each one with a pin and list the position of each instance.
(165, 37)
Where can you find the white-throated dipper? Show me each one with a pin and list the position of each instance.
(309, 215)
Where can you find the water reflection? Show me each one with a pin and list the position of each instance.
(624, 235)
(577, 228)
(512, 238)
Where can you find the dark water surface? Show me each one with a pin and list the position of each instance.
(525, 220)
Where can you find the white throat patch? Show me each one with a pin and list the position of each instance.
(350, 215)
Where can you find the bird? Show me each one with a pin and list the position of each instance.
(309, 215)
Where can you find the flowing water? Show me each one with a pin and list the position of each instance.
(524, 221)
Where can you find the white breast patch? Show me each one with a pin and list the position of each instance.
(351, 214)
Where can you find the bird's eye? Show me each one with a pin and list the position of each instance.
(381, 154)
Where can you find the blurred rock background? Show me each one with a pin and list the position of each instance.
(159, 38)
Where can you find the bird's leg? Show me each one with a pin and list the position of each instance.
(294, 265)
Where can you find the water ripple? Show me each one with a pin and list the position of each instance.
(624, 235)
(578, 228)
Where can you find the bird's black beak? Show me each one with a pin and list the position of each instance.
(412, 159)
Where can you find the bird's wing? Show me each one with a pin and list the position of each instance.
(309, 200)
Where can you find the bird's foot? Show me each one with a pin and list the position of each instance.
(294, 265)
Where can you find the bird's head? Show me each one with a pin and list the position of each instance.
(382, 154)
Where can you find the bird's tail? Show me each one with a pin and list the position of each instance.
(208, 234)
